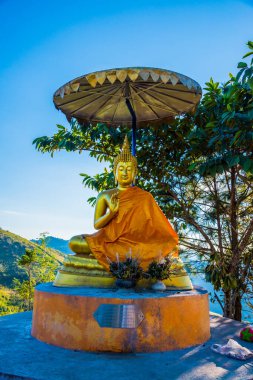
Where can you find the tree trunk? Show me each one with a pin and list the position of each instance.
(237, 306)
(235, 309)
(232, 305)
(227, 312)
(234, 227)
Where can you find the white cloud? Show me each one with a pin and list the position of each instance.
(12, 212)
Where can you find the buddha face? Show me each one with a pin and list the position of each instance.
(125, 173)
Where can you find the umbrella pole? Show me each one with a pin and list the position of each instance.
(131, 110)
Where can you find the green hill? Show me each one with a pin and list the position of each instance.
(56, 243)
(12, 247)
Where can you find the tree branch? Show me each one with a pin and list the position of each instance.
(245, 180)
(219, 301)
(246, 237)
(190, 219)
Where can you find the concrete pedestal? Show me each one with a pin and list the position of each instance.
(120, 320)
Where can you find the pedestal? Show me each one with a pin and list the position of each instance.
(120, 320)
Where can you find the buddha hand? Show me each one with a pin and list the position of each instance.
(114, 203)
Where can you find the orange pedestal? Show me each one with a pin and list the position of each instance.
(150, 321)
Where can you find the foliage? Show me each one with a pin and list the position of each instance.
(39, 268)
(46, 265)
(23, 264)
(130, 269)
(223, 124)
(126, 270)
(162, 269)
(200, 170)
(8, 304)
(24, 293)
(12, 247)
(25, 289)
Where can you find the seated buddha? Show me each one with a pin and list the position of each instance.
(128, 219)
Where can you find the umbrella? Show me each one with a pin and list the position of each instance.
(139, 96)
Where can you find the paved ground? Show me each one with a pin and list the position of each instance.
(23, 357)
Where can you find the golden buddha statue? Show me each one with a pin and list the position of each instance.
(127, 219)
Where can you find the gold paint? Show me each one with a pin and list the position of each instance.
(125, 156)
(88, 266)
(121, 75)
(75, 86)
(165, 77)
(82, 262)
(114, 98)
(133, 74)
(67, 90)
(92, 79)
(101, 77)
(71, 278)
(111, 76)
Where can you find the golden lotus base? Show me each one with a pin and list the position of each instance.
(65, 278)
(78, 319)
(82, 271)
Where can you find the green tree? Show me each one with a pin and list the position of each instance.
(223, 125)
(200, 171)
(8, 303)
(46, 264)
(25, 289)
(40, 267)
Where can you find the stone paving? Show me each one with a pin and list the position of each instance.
(23, 357)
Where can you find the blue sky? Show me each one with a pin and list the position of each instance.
(45, 44)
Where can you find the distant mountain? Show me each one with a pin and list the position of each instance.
(55, 243)
(12, 247)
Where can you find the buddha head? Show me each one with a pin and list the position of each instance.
(125, 166)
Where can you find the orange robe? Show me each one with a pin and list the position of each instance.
(139, 226)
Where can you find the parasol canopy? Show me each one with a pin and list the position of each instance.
(154, 95)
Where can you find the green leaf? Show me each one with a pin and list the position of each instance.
(61, 127)
(219, 169)
(246, 75)
(231, 76)
(248, 54)
(246, 165)
(237, 135)
(250, 44)
(232, 161)
(92, 201)
(239, 74)
(211, 124)
(213, 140)
(250, 83)
(193, 166)
(242, 65)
